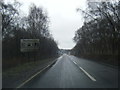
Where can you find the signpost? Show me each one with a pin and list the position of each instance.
(29, 45)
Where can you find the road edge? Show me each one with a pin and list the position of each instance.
(36, 74)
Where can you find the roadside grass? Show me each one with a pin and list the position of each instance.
(14, 76)
(15, 71)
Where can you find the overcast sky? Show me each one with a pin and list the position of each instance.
(64, 20)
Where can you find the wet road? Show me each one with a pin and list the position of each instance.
(72, 72)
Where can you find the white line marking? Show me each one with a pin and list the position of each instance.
(75, 62)
(32, 77)
(92, 78)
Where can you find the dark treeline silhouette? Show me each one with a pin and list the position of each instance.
(33, 26)
(99, 37)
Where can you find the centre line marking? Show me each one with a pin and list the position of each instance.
(91, 77)
(75, 62)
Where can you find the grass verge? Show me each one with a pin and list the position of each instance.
(20, 73)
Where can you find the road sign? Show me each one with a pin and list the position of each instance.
(29, 45)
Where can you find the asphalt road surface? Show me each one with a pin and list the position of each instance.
(72, 72)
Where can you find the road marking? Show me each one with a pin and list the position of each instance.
(75, 62)
(32, 77)
(91, 77)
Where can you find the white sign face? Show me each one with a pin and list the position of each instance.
(29, 45)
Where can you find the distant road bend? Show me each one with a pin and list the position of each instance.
(72, 72)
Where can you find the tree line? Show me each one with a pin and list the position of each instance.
(99, 37)
(35, 25)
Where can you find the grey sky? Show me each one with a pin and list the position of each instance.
(64, 20)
